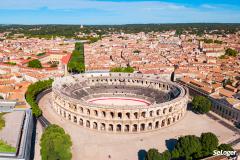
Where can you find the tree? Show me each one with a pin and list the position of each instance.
(1, 97)
(201, 104)
(129, 69)
(227, 82)
(166, 155)
(153, 154)
(35, 64)
(175, 154)
(208, 40)
(55, 144)
(225, 147)
(189, 146)
(231, 52)
(209, 143)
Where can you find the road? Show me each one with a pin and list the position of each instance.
(44, 122)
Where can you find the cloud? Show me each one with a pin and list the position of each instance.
(208, 6)
(80, 4)
(112, 12)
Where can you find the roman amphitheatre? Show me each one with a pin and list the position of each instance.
(116, 115)
(118, 102)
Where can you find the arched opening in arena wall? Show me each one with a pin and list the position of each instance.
(128, 115)
(88, 123)
(126, 128)
(103, 113)
(143, 114)
(110, 127)
(95, 125)
(151, 113)
(81, 122)
(157, 124)
(164, 110)
(88, 111)
(81, 109)
(119, 128)
(142, 127)
(103, 126)
(95, 112)
(112, 114)
(169, 121)
(163, 123)
(174, 119)
(134, 129)
(135, 115)
(149, 126)
(74, 119)
(120, 115)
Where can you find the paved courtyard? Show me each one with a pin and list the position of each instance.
(13, 122)
(88, 144)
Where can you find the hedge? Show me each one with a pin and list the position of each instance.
(32, 92)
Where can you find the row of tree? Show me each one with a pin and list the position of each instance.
(91, 39)
(123, 69)
(32, 92)
(70, 31)
(55, 144)
(76, 63)
(211, 41)
(190, 147)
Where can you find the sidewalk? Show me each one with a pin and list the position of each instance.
(235, 141)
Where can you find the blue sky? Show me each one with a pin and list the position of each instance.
(118, 11)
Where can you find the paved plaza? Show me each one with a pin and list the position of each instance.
(89, 144)
(13, 123)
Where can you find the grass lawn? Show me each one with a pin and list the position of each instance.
(4, 147)
(2, 121)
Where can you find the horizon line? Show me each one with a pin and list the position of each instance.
(31, 24)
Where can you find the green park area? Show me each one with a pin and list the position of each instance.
(123, 69)
(2, 121)
(76, 63)
(35, 64)
(4, 147)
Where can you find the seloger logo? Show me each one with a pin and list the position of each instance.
(225, 153)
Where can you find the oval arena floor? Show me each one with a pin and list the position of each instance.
(119, 101)
(127, 146)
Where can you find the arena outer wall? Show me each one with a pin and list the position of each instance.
(119, 119)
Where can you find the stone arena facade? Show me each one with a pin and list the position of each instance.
(166, 102)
